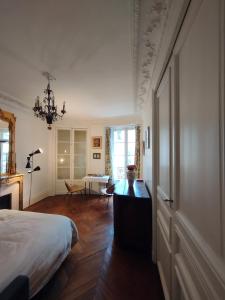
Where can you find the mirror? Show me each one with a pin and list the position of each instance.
(7, 143)
(4, 147)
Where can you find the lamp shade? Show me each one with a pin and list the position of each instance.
(37, 169)
(34, 170)
(39, 150)
(28, 165)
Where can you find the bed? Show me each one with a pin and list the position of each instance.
(34, 245)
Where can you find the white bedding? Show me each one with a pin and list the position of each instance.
(33, 244)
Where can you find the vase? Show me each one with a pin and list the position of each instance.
(130, 177)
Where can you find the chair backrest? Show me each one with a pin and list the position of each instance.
(109, 183)
(68, 186)
(110, 189)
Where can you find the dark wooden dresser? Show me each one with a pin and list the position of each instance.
(132, 212)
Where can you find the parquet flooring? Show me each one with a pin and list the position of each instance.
(96, 268)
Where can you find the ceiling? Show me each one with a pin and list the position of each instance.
(86, 45)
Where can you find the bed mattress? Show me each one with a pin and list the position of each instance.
(33, 244)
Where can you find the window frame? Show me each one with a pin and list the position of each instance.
(125, 128)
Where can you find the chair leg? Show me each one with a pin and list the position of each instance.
(68, 198)
(108, 200)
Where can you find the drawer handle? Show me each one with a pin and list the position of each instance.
(168, 200)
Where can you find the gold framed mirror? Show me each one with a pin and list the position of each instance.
(7, 143)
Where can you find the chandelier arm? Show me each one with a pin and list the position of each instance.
(47, 110)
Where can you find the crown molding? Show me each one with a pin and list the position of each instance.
(152, 21)
(135, 26)
(159, 22)
(13, 102)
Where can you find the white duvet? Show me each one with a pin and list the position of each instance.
(33, 244)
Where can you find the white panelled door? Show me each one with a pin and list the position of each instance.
(190, 159)
(164, 247)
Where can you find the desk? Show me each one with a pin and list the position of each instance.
(91, 179)
(132, 216)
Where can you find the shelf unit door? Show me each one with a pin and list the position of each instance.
(63, 159)
(71, 155)
(79, 154)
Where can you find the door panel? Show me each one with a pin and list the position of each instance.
(200, 214)
(199, 124)
(164, 257)
(164, 135)
(191, 169)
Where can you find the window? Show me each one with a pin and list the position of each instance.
(123, 151)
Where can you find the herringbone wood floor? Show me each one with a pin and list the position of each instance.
(96, 268)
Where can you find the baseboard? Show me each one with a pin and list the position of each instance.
(186, 283)
(39, 197)
(163, 281)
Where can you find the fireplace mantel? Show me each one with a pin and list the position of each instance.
(10, 179)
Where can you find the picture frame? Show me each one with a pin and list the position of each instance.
(143, 148)
(96, 142)
(147, 137)
(96, 155)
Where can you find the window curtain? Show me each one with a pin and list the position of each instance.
(108, 150)
(138, 150)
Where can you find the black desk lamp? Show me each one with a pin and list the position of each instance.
(30, 164)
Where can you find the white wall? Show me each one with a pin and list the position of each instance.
(97, 165)
(31, 134)
(94, 128)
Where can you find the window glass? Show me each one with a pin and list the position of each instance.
(119, 136)
(130, 148)
(131, 135)
(71, 154)
(63, 148)
(123, 151)
(119, 149)
(63, 173)
(64, 135)
(79, 135)
(63, 161)
(130, 160)
(79, 154)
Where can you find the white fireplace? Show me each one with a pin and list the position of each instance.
(13, 184)
(11, 189)
(6, 201)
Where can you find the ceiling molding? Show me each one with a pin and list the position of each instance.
(152, 21)
(9, 100)
(135, 26)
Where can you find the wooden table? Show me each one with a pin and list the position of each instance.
(91, 179)
(132, 216)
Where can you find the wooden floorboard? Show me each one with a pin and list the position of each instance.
(96, 268)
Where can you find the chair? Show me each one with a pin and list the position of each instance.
(107, 192)
(74, 188)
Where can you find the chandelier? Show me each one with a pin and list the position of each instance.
(47, 109)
